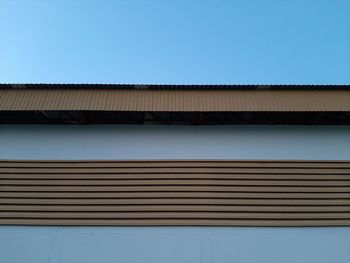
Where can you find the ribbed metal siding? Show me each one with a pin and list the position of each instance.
(177, 100)
(229, 193)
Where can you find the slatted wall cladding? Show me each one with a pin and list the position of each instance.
(222, 193)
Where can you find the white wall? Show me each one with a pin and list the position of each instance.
(174, 244)
(175, 142)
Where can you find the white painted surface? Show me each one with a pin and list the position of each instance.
(175, 142)
(174, 244)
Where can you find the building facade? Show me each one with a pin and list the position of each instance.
(124, 173)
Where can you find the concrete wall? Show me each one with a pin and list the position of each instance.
(174, 244)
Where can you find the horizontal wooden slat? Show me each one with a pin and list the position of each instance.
(175, 222)
(173, 195)
(178, 188)
(271, 193)
(175, 215)
(154, 182)
(172, 208)
(179, 201)
(223, 170)
(186, 176)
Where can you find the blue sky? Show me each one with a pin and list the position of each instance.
(179, 42)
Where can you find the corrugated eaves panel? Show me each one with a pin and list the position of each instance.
(174, 100)
(227, 193)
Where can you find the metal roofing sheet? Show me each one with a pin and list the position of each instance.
(174, 100)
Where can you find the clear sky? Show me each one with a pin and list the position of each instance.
(179, 42)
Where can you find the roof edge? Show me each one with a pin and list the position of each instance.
(176, 86)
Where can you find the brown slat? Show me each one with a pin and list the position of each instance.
(152, 176)
(174, 222)
(177, 170)
(174, 215)
(173, 195)
(154, 182)
(171, 208)
(177, 201)
(181, 188)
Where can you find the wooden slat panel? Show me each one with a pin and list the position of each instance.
(259, 193)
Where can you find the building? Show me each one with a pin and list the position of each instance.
(183, 173)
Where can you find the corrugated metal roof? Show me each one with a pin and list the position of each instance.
(200, 100)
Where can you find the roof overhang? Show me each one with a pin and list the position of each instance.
(174, 104)
(181, 98)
